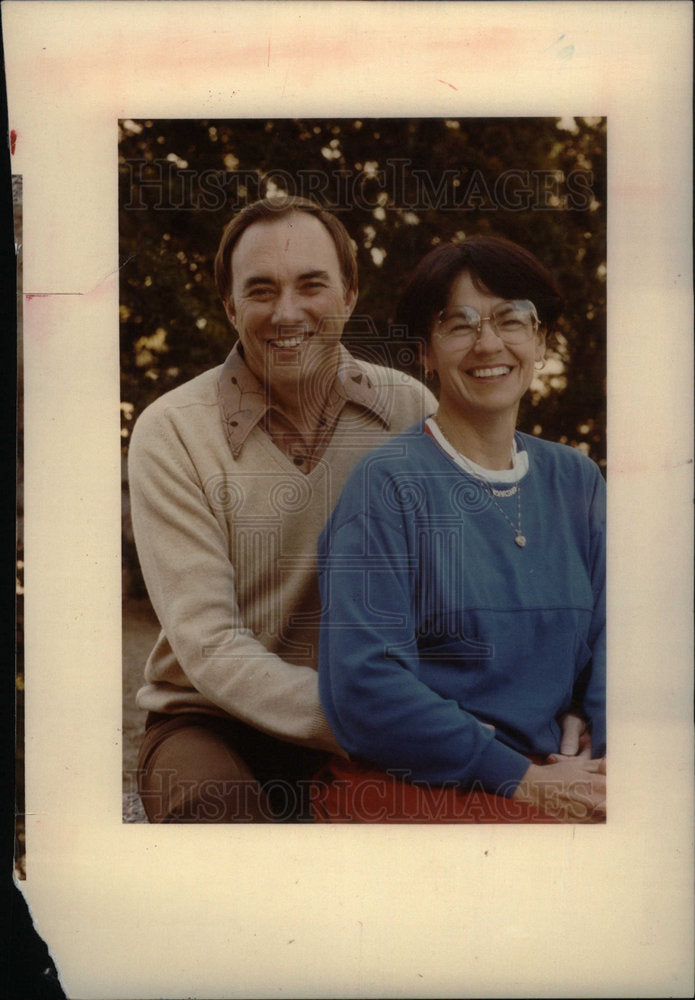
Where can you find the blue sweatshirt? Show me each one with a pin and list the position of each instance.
(435, 622)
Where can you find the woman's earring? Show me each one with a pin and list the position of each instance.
(539, 365)
(429, 374)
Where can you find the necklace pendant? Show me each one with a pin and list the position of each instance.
(520, 540)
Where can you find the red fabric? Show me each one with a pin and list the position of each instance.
(351, 792)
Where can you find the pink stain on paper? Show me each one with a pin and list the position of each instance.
(13, 140)
(447, 84)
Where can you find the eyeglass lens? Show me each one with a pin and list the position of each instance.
(513, 322)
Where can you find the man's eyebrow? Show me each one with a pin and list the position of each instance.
(257, 279)
(317, 273)
(262, 279)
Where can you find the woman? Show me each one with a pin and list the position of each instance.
(463, 578)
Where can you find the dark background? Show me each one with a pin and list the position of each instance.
(399, 186)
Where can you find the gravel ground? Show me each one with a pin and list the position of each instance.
(140, 629)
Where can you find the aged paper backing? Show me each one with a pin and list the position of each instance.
(139, 911)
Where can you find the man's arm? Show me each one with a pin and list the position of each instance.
(184, 554)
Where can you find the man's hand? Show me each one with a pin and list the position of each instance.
(576, 739)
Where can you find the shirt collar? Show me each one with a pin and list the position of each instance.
(243, 403)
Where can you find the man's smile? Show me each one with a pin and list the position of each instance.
(293, 340)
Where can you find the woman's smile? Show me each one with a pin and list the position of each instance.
(489, 374)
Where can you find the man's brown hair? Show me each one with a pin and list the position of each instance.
(268, 210)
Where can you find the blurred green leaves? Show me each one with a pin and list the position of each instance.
(399, 186)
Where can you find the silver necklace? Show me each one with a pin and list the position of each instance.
(504, 493)
(519, 537)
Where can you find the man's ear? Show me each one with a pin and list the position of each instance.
(229, 309)
(350, 301)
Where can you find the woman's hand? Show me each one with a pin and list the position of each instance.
(572, 789)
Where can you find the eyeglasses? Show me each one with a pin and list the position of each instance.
(514, 322)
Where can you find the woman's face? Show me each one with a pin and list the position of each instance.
(488, 375)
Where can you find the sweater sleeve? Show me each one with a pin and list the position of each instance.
(368, 659)
(592, 683)
(183, 552)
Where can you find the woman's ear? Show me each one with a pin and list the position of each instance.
(540, 344)
(425, 361)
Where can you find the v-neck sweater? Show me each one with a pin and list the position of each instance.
(226, 538)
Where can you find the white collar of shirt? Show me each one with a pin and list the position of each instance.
(513, 475)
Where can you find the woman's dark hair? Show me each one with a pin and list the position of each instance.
(496, 265)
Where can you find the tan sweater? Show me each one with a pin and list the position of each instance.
(226, 537)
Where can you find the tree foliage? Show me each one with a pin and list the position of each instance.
(399, 186)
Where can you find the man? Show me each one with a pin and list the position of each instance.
(232, 477)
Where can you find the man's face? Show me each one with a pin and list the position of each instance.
(288, 303)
